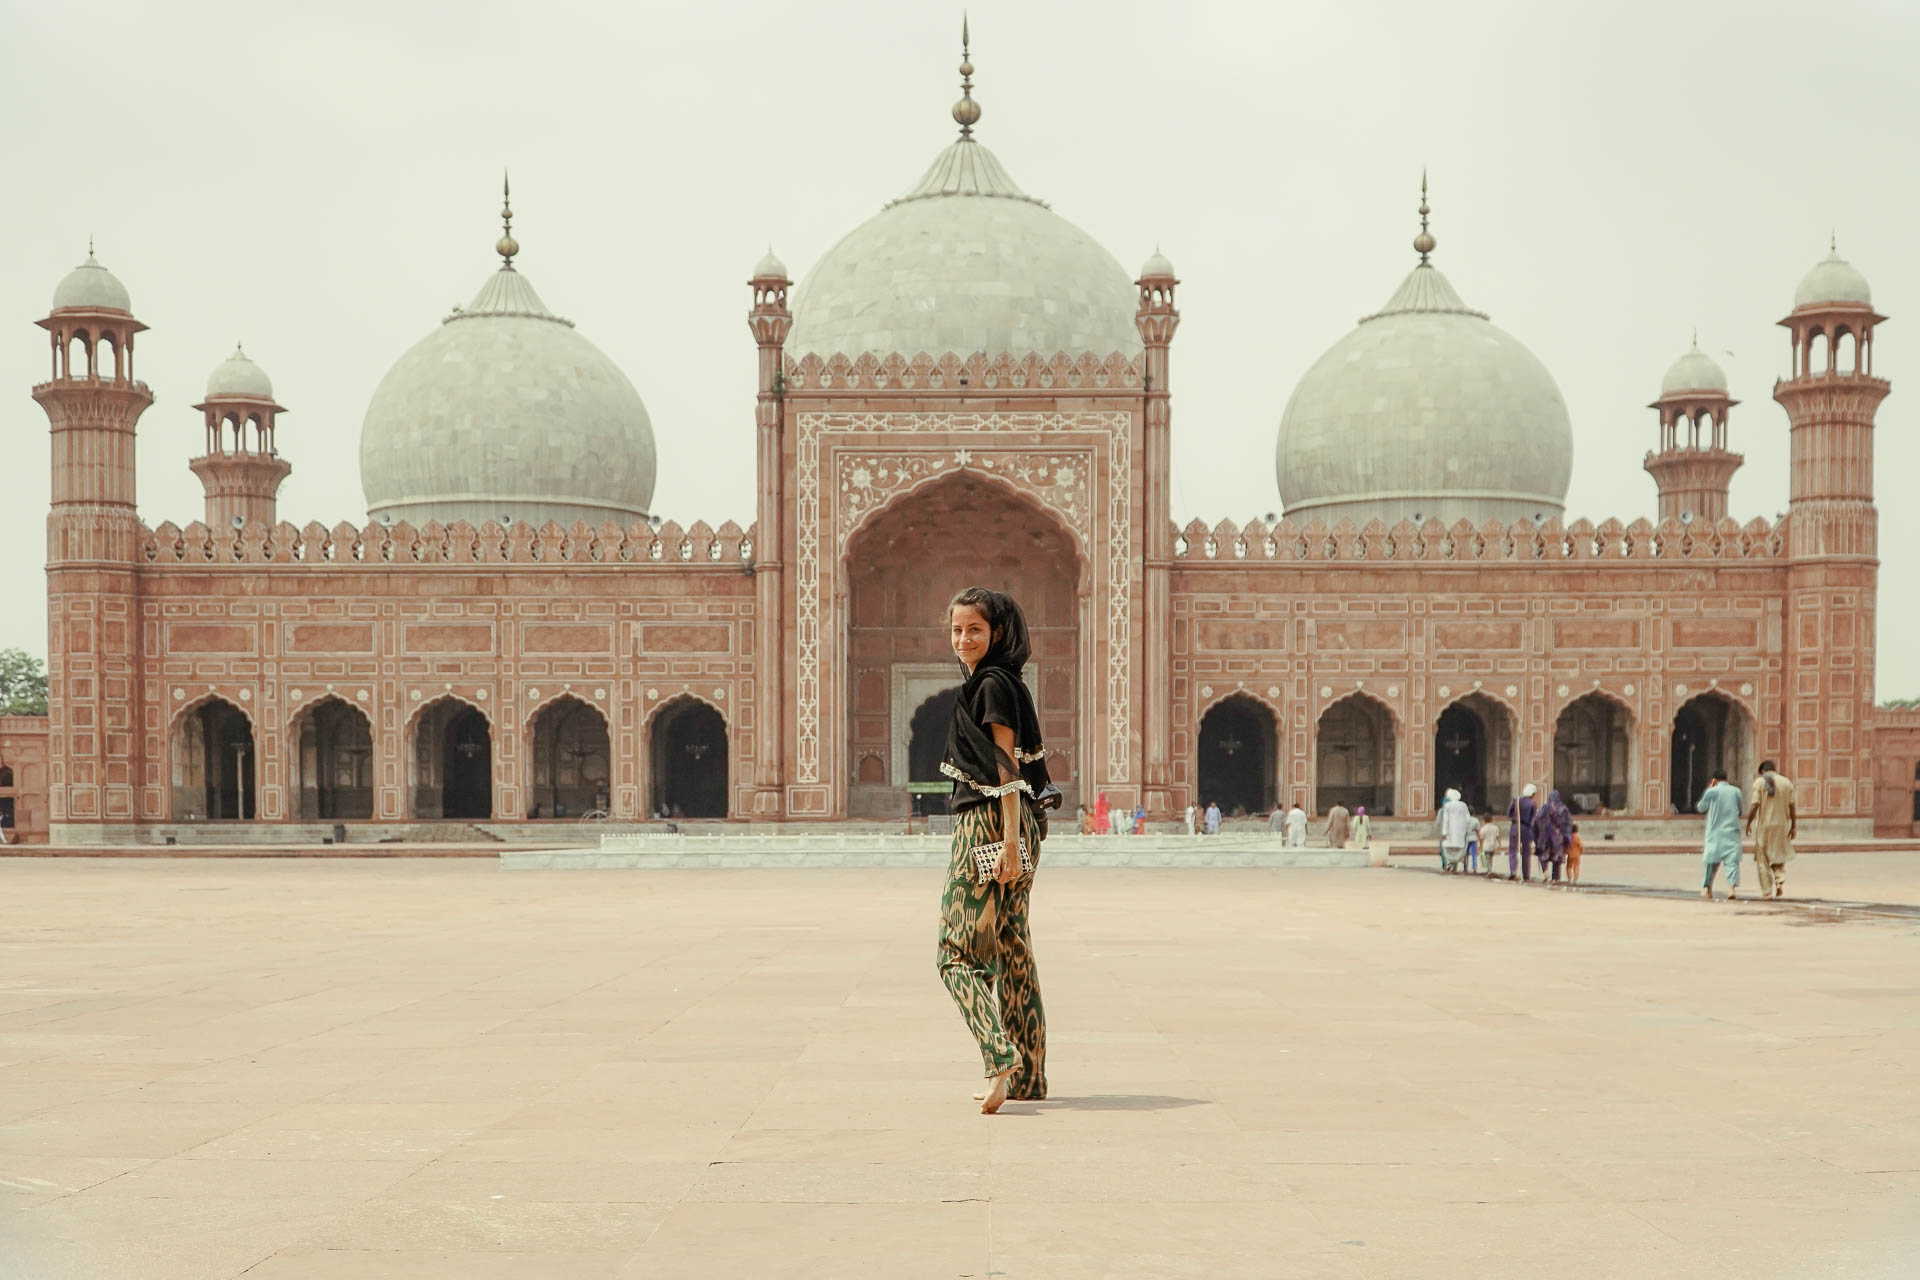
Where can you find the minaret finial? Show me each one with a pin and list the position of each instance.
(507, 246)
(1424, 242)
(966, 112)
(1833, 241)
(89, 244)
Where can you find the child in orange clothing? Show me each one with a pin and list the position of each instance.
(1573, 856)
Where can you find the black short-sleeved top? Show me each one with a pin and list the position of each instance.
(992, 705)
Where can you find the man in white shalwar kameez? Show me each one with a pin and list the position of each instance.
(1456, 829)
(1296, 827)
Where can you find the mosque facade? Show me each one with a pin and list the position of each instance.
(513, 635)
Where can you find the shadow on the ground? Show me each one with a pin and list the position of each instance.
(1799, 910)
(1112, 1102)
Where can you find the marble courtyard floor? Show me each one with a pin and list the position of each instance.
(403, 1068)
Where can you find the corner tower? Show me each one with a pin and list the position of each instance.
(1832, 540)
(1693, 468)
(1156, 320)
(770, 321)
(92, 404)
(242, 469)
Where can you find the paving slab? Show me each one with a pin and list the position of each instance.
(429, 1068)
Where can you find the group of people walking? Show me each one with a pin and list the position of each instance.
(1542, 832)
(1772, 821)
(1345, 827)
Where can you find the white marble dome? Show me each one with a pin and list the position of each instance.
(92, 285)
(238, 375)
(1833, 279)
(1427, 410)
(506, 411)
(964, 262)
(1694, 371)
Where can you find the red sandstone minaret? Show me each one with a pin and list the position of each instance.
(770, 321)
(1832, 540)
(1157, 319)
(1694, 466)
(92, 404)
(241, 469)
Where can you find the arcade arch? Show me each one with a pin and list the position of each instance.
(927, 746)
(1710, 731)
(687, 755)
(1593, 754)
(1238, 756)
(572, 760)
(1473, 753)
(903, 566)
(213, 764)
(452, 757)
(1354, 756)
(332, 762)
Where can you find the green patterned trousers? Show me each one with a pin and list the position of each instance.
(986, 955)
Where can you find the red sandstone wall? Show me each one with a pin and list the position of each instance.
(390, 620)
(24, 750)
(1896, 759)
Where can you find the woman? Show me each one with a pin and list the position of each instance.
(997, 762)
(1362, 828)
(1552, 830)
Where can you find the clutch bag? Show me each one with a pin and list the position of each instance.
(986, 860)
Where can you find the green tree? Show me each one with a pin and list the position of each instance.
(23, 684)
(1900, 704)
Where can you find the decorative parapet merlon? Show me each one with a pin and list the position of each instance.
(458, 543)
(976, 372)
(1494, 541)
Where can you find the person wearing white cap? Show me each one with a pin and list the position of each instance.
(1456, 828)
(1520, 835)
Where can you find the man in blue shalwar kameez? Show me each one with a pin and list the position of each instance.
(1722, 804)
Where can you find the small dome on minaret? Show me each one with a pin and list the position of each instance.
(92, 285)
(238, 375)
(1155, 266)
(770, 267)
(1694, 371)
(1833, 279)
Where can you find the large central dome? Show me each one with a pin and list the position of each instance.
(965, 262)
(506, 411)
(1426, 411)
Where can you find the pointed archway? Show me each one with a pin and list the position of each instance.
(687, 748)
(332, 762)
(1355, 756)
(452, 762)
(213, 764)
(1710, 731)
(1473, 753)
(572, 760)
(927, 747)
(902, 567)
(1593, 755)
(1238, 749)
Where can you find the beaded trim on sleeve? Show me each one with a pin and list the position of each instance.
(992, 793)
(1028, 757)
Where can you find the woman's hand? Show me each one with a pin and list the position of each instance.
(1009, 869)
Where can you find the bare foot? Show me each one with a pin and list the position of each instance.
(996, 1093)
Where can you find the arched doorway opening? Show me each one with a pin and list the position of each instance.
(1710, 731)
(927, 746)
(1239, 746)
(1473, 753)
(1354, 756)
(902, 567)
(1592, 755)
(452, 762)
(213, 764)
(688, 749)
(333, 762)
(572, 761)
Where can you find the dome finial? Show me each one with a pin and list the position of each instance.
(89, 244)
(966, 112)
(1424, 242)
(506, 246)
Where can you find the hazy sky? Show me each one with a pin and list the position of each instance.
(322, 183)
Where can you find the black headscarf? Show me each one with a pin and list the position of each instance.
(973, 760)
